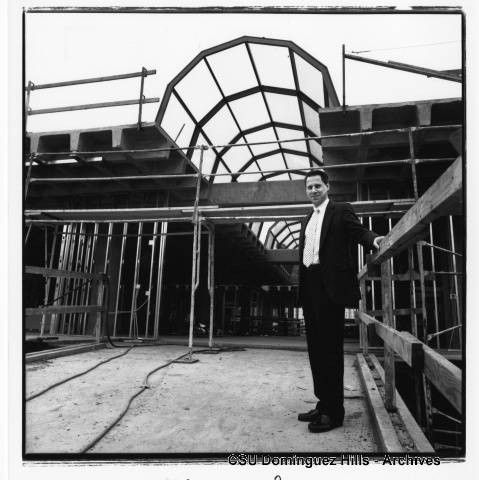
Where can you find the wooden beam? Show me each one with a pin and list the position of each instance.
(53, 272)
(283, 256)
(444, 375)
(388, 438)
(438, 200)
(29, 312)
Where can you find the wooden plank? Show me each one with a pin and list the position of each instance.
(438, 200)
(421, 443)
(386, 434)
(62, 352)
(408, 347)
(444, 375)
(54, 272)
(29, 312)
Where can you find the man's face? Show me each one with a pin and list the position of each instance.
(316, 190)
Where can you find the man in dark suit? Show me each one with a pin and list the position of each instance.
(327, 285)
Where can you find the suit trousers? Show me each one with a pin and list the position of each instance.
(325, 337)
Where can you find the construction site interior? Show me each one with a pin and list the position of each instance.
(186, 233)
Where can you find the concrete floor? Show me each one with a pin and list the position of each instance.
(229, 402)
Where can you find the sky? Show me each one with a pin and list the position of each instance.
(70, 46)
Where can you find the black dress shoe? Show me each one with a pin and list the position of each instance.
(324, 423)
(310, 416)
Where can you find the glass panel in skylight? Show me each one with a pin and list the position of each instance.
(273, 162)
(233, 80)
(221, 128)
(175, 116)
(236, 157)
(222, 178)
(312, 119)
(250, 177)
(275, 229)
(273, 65)
(283, 176)
(295, 227)
(284, 108)
(291, 243)
(199, 91)
(250, 111)
(289, 134)
(316, 150)
(209, 156)
(296, 176)
(296, 161)
(282, 236)
(265, 135)
(310, 80)
(264, 231)
(255, 227)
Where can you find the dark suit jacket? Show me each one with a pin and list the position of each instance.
(341, 230)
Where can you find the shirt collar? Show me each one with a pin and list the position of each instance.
(321, 207)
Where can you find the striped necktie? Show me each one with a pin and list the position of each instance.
(310, 238)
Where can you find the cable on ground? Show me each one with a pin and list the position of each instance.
(144, 387)
(61, 382)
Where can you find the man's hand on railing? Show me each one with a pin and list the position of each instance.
(377, 242)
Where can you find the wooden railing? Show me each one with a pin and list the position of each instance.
(442, 198)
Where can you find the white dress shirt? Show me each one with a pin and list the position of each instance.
(314, 234)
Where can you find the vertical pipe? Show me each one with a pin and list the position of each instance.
(195, 260)
(388, 319)
(103, 286)
(412, 302)
(78, 267)
(48, 281)
(27, 179)
(434, 285)
(373, 284)
(456, 284)
(85, 284)
(142, 97)
(122, 252)
(66, 281)
(56, 293)
(136, 287)
(90, 270)
(427, 390)
(159, 278)
(153, 249)
(412, 157)
(211, 279)
(412, 292)
(392, 272)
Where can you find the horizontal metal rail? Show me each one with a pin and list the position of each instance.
(145, 73)
(242, 144)
(262, 172)
(89, 106)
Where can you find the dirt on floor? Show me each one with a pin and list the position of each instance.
(239, 401)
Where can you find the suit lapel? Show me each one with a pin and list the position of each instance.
(328, 215)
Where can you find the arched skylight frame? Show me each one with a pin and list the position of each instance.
(306, 106)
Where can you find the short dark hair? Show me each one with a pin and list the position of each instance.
(317, 172)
